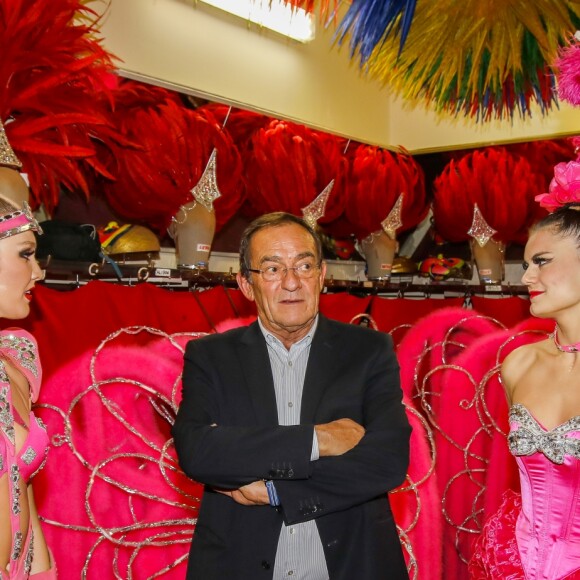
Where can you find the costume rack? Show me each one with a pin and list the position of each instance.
(68, 275)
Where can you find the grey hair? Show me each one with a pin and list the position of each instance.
(272, 220)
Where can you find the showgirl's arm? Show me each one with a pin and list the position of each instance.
(5, 531)
(6, 451)
(514, 367)
(13, 389)
(41, 558)
(507, 378)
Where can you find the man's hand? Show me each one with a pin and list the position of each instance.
(338, 437)
(254, 493)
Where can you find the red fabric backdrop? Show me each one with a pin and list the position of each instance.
(68, 324)
(398, 315)
(509, 311)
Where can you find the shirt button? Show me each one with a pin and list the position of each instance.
(289, 363)
(292, 530)
(290, 572)
(290, 404)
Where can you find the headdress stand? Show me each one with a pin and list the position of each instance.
(193, 226)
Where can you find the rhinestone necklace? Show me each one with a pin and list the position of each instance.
(564, 347)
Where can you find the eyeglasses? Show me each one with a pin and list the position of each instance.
(276, 273)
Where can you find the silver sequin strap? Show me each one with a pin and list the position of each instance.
(530, 438)
(22, 349)
(6, 419)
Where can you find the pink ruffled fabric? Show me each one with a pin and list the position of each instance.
(496, 552)
(564, 187)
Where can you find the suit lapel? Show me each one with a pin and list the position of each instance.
(321, 361)
(255, 364)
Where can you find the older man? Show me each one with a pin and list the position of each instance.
(296, 427)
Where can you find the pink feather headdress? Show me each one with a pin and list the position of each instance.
(568, 71)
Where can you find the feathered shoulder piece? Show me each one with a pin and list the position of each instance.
(568, 71)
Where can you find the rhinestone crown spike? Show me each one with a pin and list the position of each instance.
(316, 208)
(393, 221)
(7, 156)
(206, 190)
(480, 230)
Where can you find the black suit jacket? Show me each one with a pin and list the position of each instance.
(227, 380)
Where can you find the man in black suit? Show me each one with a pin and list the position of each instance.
(296, 427)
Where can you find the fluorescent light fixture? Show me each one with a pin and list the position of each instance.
(276, 15)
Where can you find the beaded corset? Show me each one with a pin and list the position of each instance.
(531, 438)
(19, 348)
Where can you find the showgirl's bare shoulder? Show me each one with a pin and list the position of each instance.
(519, 363)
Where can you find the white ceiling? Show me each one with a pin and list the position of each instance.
(200, 50)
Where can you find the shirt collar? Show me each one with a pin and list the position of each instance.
(305, 340)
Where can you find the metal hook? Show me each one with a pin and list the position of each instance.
(467, 298)
(142, 274)
(226, 118)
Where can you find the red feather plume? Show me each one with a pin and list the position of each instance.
(324, 7)
(238, 123)
(229, 165)
(376, 179)
(156, 177)
(542, 156)
(52, 67)
(499, 182)
(288, 166)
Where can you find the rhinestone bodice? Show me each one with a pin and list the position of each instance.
(530, 437)
(19, 349)
(548, 526)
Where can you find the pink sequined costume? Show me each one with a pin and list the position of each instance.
(20, 465)
(537, 537)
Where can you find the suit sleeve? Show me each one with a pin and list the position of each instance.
(376, 465)
(240, 449)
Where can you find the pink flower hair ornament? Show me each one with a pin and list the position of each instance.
(564, 187)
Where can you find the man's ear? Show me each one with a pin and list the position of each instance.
(245, 286)
(322, 273)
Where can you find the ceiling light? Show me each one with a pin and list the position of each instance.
(275, 15)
